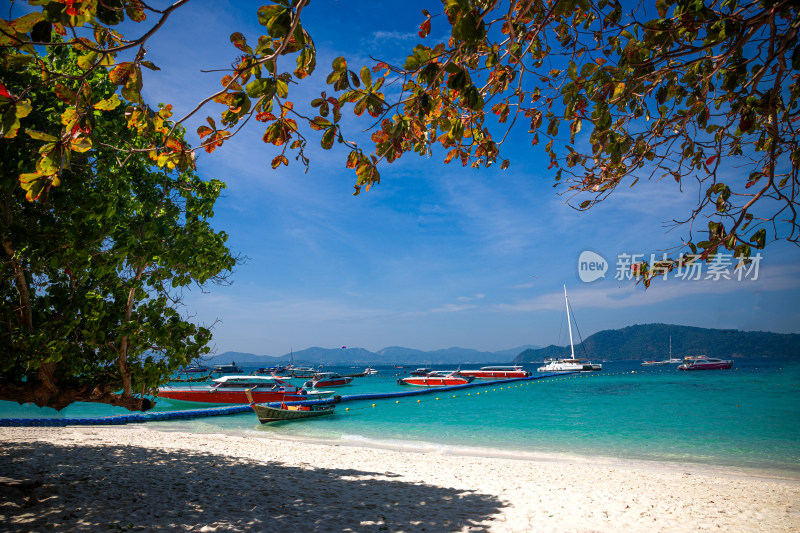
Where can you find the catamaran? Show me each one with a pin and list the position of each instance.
(572, 364)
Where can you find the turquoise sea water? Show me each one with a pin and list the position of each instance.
(748, 417)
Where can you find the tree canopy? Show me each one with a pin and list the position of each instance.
(92, 270)
(700, 92)
(684, 90)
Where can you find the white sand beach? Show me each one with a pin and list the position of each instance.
(134, 478)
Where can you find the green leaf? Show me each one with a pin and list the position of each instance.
(328, 138)
(41, 136)
(366, 77)
(759, 238)
(81, 144)
(108, 104)
(260, 87)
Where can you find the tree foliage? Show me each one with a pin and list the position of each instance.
(91, 272)
(687, 90)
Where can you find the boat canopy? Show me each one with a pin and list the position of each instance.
(247, 381)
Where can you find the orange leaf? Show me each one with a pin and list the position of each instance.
(174, 144)
(379, 137)
(425, 28)
(710, 160)
(280, 160)
(119, 75)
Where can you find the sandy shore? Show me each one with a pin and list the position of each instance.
(133, 478)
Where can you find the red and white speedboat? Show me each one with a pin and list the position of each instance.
(328, 379)
(705, 363)
(231, 389)
(436, 379)
(500, 372)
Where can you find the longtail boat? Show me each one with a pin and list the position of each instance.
(267, 413)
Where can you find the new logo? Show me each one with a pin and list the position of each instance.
(591, 266)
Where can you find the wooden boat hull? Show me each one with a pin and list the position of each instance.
(267, 414)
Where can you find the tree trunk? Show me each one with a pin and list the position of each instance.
(24, 312)
(124, 367)
(43, 396)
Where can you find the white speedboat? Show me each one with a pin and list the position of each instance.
(232, 389)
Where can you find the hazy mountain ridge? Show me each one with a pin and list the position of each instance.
(361, 356)
(651, 341)
(638, 342)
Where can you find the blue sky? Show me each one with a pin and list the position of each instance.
(436, 255)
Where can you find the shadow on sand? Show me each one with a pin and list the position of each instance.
(113, 488)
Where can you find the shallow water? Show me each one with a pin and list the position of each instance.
(746, 417)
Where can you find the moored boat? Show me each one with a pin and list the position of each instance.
(231, 390)
(270, 370)
(328, 379)
(232, 368)
(501, 372)
(194, 369)
(572, 364)
(569, 365)
(666, 361)
(283, 412)
(705, 363)
(303, 372)
(196, 379)
(436, 379)
(654, 363)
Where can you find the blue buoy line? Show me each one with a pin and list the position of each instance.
(136, 418)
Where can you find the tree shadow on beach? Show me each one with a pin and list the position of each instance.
(114, 488)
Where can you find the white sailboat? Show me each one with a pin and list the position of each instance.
(572, 364)
(669, 360)
(673, 360)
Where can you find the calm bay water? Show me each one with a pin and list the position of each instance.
(746, 417)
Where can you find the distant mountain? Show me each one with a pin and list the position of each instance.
(511, 353)
(398, 353)
(651, 341)
(385, 356)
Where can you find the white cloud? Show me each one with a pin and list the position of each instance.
(382, 36)
(608, 297)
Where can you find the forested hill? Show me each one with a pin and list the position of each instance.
(651, 341)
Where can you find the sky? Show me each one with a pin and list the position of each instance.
(436, 255)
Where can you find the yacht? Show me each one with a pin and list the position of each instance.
(572, 364)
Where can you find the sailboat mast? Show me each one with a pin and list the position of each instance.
(569, 324)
